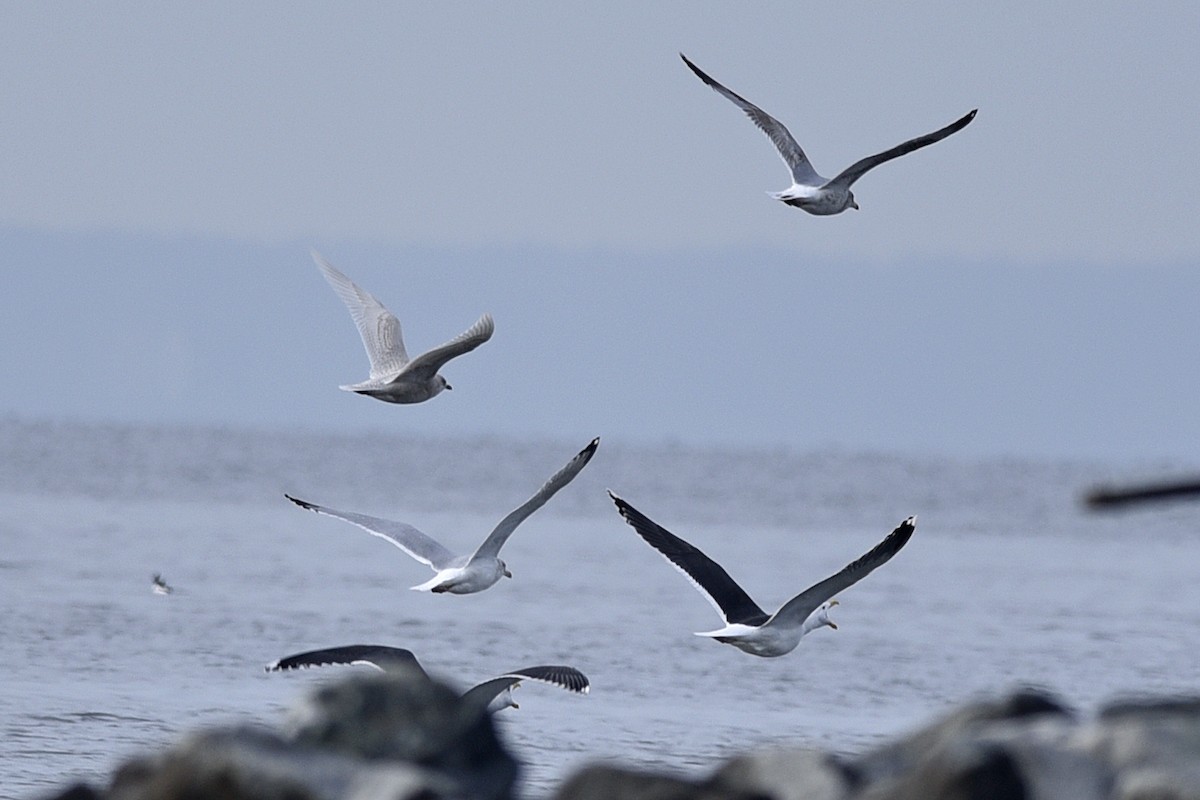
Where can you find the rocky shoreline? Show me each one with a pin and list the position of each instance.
(405, 737)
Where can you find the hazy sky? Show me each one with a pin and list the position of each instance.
(166, 167)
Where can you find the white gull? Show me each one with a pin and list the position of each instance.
(394, 378)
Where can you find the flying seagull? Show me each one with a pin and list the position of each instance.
(810, 191)
(460, 574)
(394, 378)
(748, 627)
(495, 693)
(160, 586)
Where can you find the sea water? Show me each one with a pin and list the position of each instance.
(1007, 582)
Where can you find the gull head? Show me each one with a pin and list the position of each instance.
(442, 384)
(850, 203)
(823, 616)
(504, 569)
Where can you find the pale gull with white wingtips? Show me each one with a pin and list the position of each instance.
(394, 378)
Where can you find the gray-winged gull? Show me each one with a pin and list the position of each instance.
(460, 574)
(810, 191)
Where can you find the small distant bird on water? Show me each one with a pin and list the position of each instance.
(748, 627)
(460, 574)
(159, 585)
(394, 378)
(809, 191)
(495, 693)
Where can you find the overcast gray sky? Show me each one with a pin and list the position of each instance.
(557, 164)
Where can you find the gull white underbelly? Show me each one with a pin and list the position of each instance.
(474, 577)
(813, 199)
(767, 641)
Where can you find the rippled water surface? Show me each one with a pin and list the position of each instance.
(1007, 581)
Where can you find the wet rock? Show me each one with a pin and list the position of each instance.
(1152, 748)
(78, 791)
(945, 735)
(1016, 746)
(369, 737)
(404, 737)
(991, 768)
(251, 764)
(1151, 706)
(404, 716)
(615, 783)
(784, 774)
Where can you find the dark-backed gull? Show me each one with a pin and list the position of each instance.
(495, 693)
(748, 627)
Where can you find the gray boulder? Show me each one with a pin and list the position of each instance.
(396, 736)
(253, 764)
(403, 737)
(1152, 748)
(607, 782)
(1023, 746)
(785, 774)
(403, 716)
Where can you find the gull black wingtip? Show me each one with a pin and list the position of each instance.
(621, 504)
(302, 503)
(699, 72)
(629, 514)
(903, 532)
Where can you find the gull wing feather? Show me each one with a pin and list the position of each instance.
(856, 170)
(796, 610)
(499, 535)
(378, 327)
(558, 675)
(376, 655)
(791, 152)
(727, 597)
(427, 364)
(404, 536)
